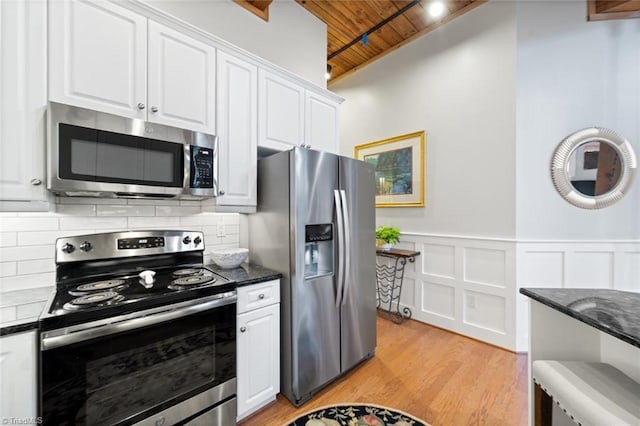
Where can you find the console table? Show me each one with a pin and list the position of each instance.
(389, 277)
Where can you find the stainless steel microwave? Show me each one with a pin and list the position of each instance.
(91, 153)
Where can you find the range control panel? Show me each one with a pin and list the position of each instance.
(136, 243)
(126, 244)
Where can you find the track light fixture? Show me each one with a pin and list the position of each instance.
(327, 75)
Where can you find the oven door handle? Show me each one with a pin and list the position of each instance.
(51, 340)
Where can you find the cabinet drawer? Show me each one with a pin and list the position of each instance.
(258, 295)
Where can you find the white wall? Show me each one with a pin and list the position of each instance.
(572, 74)
(293, 38)
(457, 84)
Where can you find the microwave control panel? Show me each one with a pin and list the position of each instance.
(201, 167)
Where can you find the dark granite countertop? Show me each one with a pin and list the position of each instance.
(246, 273)
(614, 312)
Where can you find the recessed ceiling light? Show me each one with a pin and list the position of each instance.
(436, 9)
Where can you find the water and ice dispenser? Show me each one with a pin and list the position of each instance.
(318, 250)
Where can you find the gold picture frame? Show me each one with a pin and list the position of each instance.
(399, 163)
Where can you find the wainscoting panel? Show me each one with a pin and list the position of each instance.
(573, 264)
(485, 267)
(465, 284)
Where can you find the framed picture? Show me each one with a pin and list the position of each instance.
(399, 164)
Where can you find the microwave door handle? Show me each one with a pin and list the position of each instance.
(216, 167)
(347, 246)
(340, 257)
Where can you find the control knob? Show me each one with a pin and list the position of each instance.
(186, 240)
(68, 248)
(86, 246)
(197, 240)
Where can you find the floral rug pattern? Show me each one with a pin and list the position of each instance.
(356, 415)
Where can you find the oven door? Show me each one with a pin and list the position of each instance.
(164, 371)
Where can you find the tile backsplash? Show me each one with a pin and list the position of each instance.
(27, 240)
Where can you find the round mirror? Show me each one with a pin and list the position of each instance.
(593, 168)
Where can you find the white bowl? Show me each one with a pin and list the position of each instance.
(229, 258)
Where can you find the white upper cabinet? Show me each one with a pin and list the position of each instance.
(237, 111)
(291, 115)
(181, 80)
(281, 112)
(23, 103)
(321, 123)
(104, 57)
(98, 57)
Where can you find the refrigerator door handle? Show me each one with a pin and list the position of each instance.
(347, 246)
(340, 256)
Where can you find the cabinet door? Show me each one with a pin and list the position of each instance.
(98, 57)
(258, 358)
(321, 123)
(18, 374)
(237, 111)
(23, 99)
(181, 80)
(280, 113)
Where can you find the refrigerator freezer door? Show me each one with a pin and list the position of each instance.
(315, 319)
(358, 328)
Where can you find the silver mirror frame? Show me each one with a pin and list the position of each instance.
(560, 167)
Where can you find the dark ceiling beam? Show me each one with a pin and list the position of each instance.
(374, 28)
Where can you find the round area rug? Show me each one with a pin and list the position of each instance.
(357, 414)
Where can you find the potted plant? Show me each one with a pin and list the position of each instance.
(387, 236)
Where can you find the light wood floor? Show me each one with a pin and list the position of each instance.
(441, 377)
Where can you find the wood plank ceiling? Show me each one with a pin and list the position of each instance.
(348, 21)
(389, 24)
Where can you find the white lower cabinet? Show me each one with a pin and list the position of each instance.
(258, 346)
(18, 377)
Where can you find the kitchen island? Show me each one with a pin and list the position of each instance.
(585, 325)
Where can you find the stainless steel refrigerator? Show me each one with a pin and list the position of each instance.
(315, 223)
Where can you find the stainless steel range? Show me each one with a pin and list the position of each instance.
(138, 332)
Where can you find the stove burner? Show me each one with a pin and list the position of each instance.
(189, 271)
(93, 300)
(192, 280)
(101, 286)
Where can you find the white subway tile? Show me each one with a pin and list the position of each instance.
(76, 209)
(196, 220)
(210, 230)
(176, 211)
(8, 239)
(8, 269)
(37, 266)
(153, 222)
(88, 222)
(30, 310)
(14, 254)
(191, 203)
(28, 224)
(134, 202)
(46, 237)
(8, 214)
(89, 200)
(8, 314)
(126, 210)
(232, 229)
(20, 282)
(51, 213)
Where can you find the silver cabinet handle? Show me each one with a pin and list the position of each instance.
(261, 296)
(243, 329)
(221, 192)
(36, 182)
(154, 109)
(141, 106)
